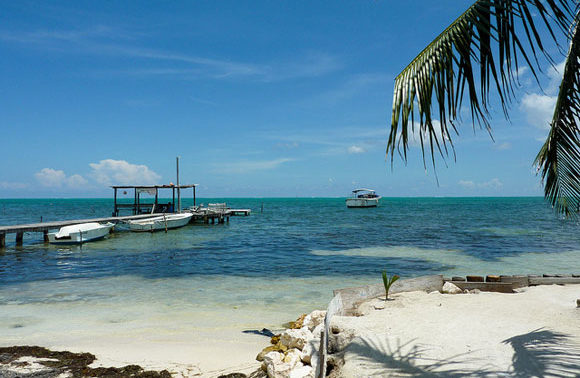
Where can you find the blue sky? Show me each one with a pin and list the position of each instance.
(261, 98)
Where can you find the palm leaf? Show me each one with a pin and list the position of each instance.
(446, 68)
(559, 158)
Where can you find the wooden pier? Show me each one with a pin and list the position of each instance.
(204, 215)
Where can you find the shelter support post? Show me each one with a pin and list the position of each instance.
(19, 238)
(115, 210)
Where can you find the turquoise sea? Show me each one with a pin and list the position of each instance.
(256, 271)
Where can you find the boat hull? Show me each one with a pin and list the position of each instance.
(160, 223)
(362, 202)
(79, 234)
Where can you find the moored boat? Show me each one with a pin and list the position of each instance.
(80, 233)
(161, 222)
(363, 198)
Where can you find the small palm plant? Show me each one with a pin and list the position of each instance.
(388, 282)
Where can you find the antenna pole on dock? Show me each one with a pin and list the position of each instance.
(178, 188)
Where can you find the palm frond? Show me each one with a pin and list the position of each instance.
(559, 158)
(447, 68)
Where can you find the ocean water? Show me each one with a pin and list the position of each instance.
(256, 271)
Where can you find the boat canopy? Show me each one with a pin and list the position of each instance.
(362, 190)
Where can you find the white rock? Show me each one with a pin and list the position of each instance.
(302, 372)
(279, 365)
(434, 292)
(379, 305)
(310, 350)
(317, 332)
(449, 288)
(272, 360)
(340, 337)
(292, 357)
(295, 338)
(313, 319)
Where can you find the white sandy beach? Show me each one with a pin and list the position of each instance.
(532, 333)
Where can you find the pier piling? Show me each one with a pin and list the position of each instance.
(19, 238)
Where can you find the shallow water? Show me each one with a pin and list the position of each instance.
(257, 271)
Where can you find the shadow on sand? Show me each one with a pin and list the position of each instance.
(379, 358)
(544, 353)
(539, 353)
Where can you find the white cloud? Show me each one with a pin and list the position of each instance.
(53, 178)
(356, 150)
(96, 40)
(539, 109)
(415, 133)
(467, 184)
(77, 181)
(555, 75)
(119, 172)
(251, 166)
(494, 183)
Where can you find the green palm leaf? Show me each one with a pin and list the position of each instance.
(559, 158)
(446, 68)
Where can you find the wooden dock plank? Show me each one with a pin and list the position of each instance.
(553, 280)
(500, 287)
(206, 215)
(45, 226)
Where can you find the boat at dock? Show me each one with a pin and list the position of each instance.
(80, 233)
(160, 223)
(363, 198)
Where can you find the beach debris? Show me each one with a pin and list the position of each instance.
(17, 361)
(262, 332)
(578, 303)
(449, 288)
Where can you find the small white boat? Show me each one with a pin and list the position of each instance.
(161, 222)
(80, 233)
(363, 198)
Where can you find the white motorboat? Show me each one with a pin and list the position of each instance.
(363, 198)
(160, 222)
(80, 233)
